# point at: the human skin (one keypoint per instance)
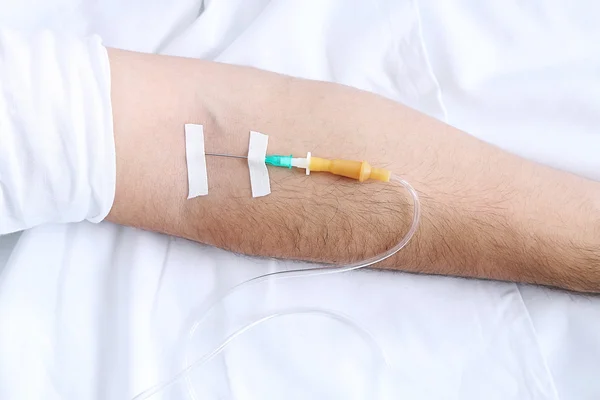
(486, 213)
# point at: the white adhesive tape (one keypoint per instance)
(259, 174)
(196, 161)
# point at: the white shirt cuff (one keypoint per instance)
(57, 152)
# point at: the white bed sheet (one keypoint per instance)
(99, 311)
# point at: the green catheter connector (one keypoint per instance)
(279, 161)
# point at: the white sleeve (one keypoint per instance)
(57, 152)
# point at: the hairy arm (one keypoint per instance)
(486, 213)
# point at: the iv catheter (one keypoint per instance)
(358, 170)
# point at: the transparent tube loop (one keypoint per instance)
(325, 270)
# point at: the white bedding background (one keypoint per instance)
(100, 311)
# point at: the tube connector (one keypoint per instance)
(359, 170)
(279, 161)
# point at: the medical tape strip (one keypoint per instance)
(259, 174)
(196, 161)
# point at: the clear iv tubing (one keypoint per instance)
(184, 373)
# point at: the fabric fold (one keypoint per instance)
(57, 152)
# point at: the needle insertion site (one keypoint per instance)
(225, 155)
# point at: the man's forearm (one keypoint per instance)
(486, 213)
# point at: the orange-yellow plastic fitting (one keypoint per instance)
(360, 170)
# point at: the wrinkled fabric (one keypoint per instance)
(94, 311)
(57, 152)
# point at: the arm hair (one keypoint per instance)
(486, 213)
